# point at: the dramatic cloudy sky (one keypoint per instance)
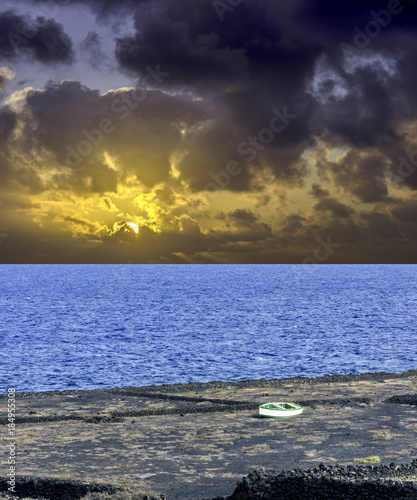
(193, 131)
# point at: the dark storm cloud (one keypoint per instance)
(3, 82)
(199, 58)
(240, 226)
(364, 175)
(369, 53)
(81, 222)
(367, 115)
(333, 206)
(405, 215)
(77, 126)
(5, 169)
(360, 173)
(243, 216)
(329, 204)
(406, 212)
(41, 38)
(403, 156)
(293, 224)
(246, 66)
(266, 55)
(8, 121)
(381, 226)
(318, 192)
(7, 125)
(329, 17)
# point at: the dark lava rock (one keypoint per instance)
(403, 399)
(328, 482)
(54, 489)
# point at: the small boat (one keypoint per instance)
(278, 410)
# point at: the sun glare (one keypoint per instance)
(134, 226)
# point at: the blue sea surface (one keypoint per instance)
(96, 326)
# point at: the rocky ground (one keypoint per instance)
(196, 441)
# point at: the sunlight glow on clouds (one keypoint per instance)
(236, 141)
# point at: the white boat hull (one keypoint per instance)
(278, 411)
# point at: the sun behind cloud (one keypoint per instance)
(134, 226)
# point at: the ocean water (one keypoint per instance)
(83, 327)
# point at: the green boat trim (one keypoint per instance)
(281, 409)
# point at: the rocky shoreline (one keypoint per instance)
(243, 384)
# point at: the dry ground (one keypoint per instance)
(196, 456)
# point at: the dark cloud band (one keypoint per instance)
(42, 38)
